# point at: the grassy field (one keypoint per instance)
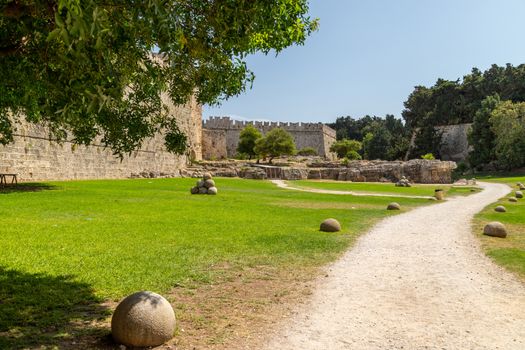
(387, 188)
(69, 248)
(508, 252)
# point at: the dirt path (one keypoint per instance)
(283, 184)
(416, 281)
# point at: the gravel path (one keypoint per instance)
(283, 184)
(416, 281)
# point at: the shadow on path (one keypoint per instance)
(41, 311)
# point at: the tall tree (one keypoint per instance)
(249, 135)
(86, 66)
(508, 124)
(481, 136)
(277, 142)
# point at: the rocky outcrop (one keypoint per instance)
(413, 171)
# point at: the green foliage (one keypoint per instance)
(428, 140)
(346, 148)
(353, 155)
(428, 156)
(508, 124)
(307, 151)
(87, 67)
(391, 134)
(481, 136)
(376, 142)
(277, 142)
(453, 102)
(249, 135)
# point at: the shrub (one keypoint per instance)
(307, 151)
(344, 147)
(428, 156)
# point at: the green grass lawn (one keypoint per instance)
(68, 246)
(508, 252)
(387, 188)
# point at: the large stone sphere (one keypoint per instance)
(206, 176)
(519, 194)
(209, 183)
(500, 209)
(330, 225)
(495, 229)
(194, 190)
(203, 190)
(143, 319)
(513, 199)
(393, 206)
(212, 190)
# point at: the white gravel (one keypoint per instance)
(416, 281)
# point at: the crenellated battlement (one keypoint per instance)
(316, 135)
(226, 123)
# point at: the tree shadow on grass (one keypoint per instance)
(43, 311)
(26, 187)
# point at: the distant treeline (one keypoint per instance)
(445, 103)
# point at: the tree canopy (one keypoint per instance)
(97, 68)
(277, 142)
(346, 148)
(249, 135)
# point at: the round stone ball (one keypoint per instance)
(200, 183)
(212, 190)
(500, 209)
(206, 176)
(330, 225)
(513, 199)
(393, 206)
(209, 183)
(194, 190)
(495, 229)
(143, 319)
(203, 190)
(519, 194)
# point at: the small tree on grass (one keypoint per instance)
(249, 135)
(276, 143)
(346, 149)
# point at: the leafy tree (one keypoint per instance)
(249, 135)
(508, 124)
(346, 148)
(428, 139)
(377, 142)
(277, 142)
(481, 137)
(87, 66)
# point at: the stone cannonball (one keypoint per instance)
(500, 209)
(330, 225)
(212, 190)
(200, 183)
(519, 194)
(495, 229)
(209, 183)
(194, 190)
(206, 176)
(513, 199)
(393, 206)
(143, 319)
(203, 190)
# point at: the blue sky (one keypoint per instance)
(368, 55)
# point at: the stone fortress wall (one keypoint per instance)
(34, 157)
(454, 140)
(221, 136)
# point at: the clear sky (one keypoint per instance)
(368, 55)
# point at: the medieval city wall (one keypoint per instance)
(34, 157)
(454, 142)
(316, 135)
